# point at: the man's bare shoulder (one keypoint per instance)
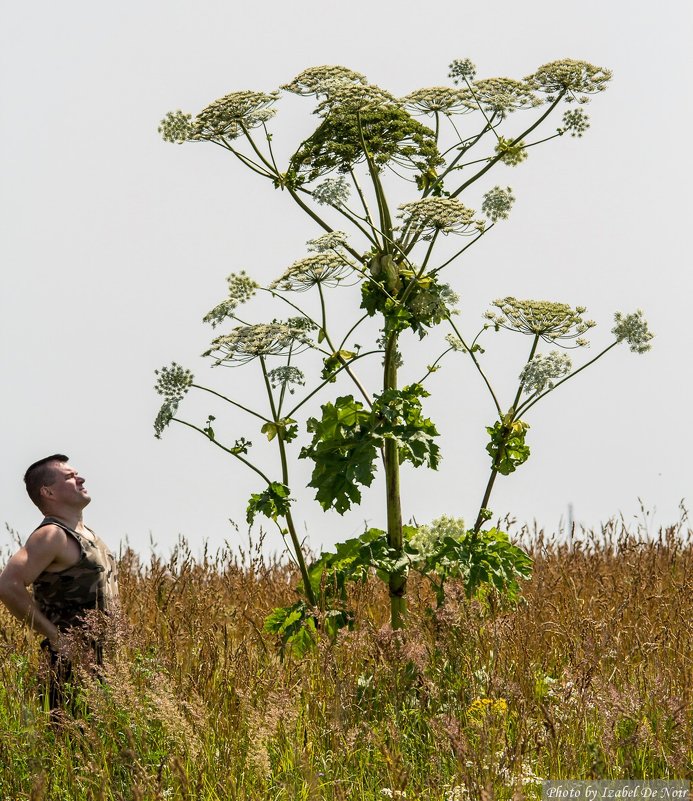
(46, 536)
(45, 547)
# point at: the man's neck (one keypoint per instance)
(71, 517)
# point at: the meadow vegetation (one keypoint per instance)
(588, 676)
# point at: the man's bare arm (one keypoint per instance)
(43, 547)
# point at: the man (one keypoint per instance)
(70, 569)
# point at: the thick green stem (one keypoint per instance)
(398, 581)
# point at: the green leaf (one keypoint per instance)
(507, 447)
(334, 362)
(274, 502)
(280, 428)
(294, 626)
(343, 450)
(401, 418)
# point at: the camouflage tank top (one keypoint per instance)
(63, 596)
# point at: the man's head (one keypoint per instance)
(53, 484)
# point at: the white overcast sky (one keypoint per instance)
(115, 244)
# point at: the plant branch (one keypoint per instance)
(232, 402)
(531, 401)
(223, 447)
(470, 351)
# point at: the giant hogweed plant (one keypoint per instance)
(436, 143)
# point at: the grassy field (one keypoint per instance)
(590, 676)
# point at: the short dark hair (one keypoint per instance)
(40, 474)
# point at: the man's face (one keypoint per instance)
(67, 488)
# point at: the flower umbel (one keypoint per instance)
(332, 192)
(541, 371)
(575, 122)
(550, 321)
(248, 342)
(241, 289)
(461, 70)
(319, 80)
(333, 240)
(173, 383)
(632, 328)
(441, 99)
(576, 79)
(497, 203)
(226, 117)
(455, 343)
(509, 153)
(286, 376)
(176, 127)
(428, 537)
(431, 214)
(327, 268)
(503, 95)
(354, 97)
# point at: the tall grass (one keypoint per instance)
(590, 676)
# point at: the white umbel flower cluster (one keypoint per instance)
(575, 122)
(552, 322)
(328, 269)
(503, 95)
(431, 214)
(333, 240)
(497, 203)
(438, 99)
(176, 127)
(248, 342)
(543, 370)
(461, 70)
(241, 289)
(577, 79)
(354, 97)
(226, 117)
(320, 80)
(429, 536)
(286, 376)
(173, 384)
(455, 343)
(332, 192)
(633, 329)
